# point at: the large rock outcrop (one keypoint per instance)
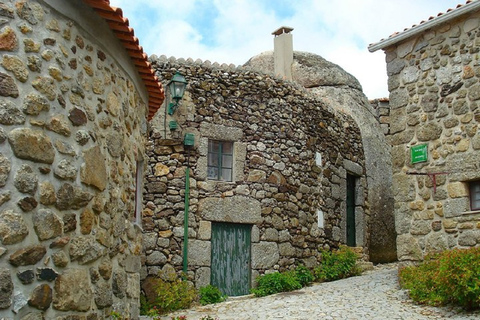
(308, 69)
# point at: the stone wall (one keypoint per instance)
(342, 92)
(381, 109)
(70, 137)
(292, 154)
(434, 96)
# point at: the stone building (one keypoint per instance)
(433, 79)
(342, 92)
(75, 94)
(273, 171)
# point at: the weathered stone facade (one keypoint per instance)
(72, 114)
(292, 154)
(342, 92)
(433, 79)
(381, 109)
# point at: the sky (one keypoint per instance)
(233, 31)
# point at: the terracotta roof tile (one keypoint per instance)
(431, 20)
(120, 27)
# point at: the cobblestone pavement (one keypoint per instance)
(374, 295)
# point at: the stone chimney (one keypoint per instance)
(283, 52)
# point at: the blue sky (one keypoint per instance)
(232, 31)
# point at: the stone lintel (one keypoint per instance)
(236, 209)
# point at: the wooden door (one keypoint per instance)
(231, 258)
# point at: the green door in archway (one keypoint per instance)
(231, 256)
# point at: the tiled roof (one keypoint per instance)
(461, 9)
(119, 25)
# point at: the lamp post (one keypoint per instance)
(176, 87)
(188, 145)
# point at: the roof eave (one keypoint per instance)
(120, 28)
(470, 7)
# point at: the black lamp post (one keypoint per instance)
(177, 89)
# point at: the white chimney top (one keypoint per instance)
(281, 30)
(283, 52)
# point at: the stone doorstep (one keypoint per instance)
(364, 265)
(362, 259)
(361, 256)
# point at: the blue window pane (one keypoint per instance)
(227, 174)
(213, 146)
(475, 195)
(213, 173)
(476, 187)
(227, 161)
(476, 204)
(213, 159)
(227, 148)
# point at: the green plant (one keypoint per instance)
(337, 264)
(452, 276)
(304, 275)
(421, 282)
(208, 318)
(211, 294)
(276, 282)
(145, 306)
(170, 296)
(115, 315)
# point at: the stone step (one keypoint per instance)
(364, 265)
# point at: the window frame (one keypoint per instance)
(474, 195)
(220, 167)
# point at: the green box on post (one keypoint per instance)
(173, 125)
(419, 153)
(189, 140)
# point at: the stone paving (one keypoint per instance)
(374, 295)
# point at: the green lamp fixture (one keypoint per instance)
(177, 88)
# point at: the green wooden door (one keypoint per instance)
(351, 232)
(231, 258)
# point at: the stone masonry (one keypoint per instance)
(342, 92)
(71, 122)
(291, 157)
(434, 83)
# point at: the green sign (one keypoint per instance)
(419, 153)
(189, 139)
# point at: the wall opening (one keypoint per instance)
(474, 187)
(351, 220)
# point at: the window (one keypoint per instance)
(475, 195)
(220, 160)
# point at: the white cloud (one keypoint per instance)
(233, 31)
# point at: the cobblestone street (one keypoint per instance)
(374, 295)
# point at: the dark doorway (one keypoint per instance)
(351, 230)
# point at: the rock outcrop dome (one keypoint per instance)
(308, 69)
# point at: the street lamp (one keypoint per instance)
(177, 89)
